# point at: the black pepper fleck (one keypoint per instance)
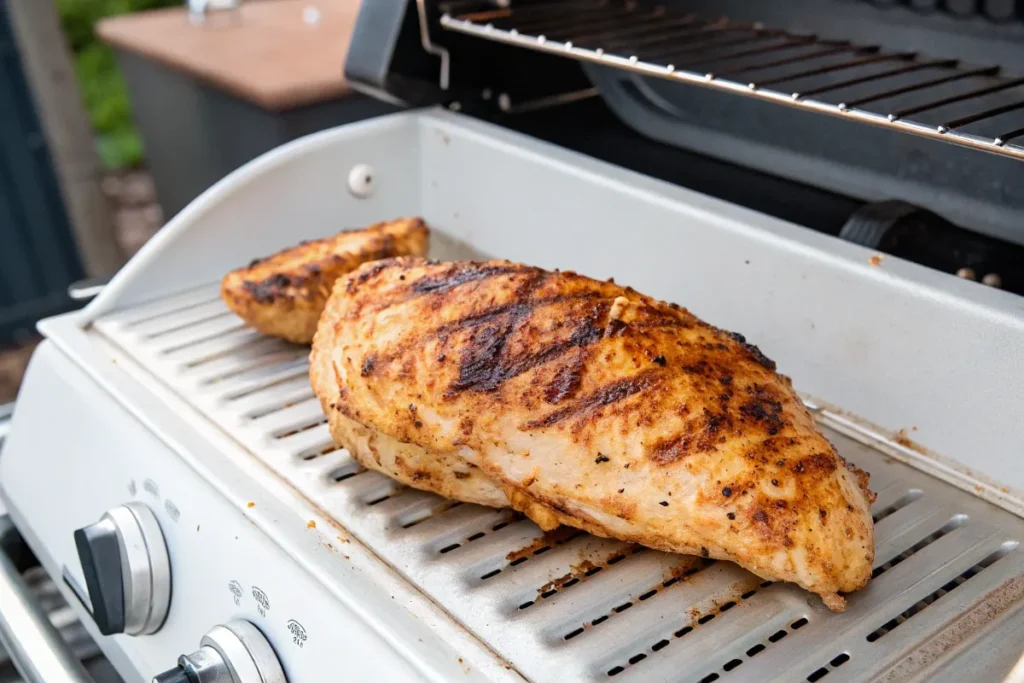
(775, 482)
(731, 515)
(727, 492)
(401, 277)
(704, 552)
(663, 503)
(441, 358)
(660, 360)
(418, 424)
(621, 490)
(601, 458)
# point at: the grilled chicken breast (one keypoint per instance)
(283, 295)
(588, 404)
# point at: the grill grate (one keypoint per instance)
(566, 606)
(976, 106)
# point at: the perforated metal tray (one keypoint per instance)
(567, 606)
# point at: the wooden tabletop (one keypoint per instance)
(267, 51)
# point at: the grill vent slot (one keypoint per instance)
(947, 588)
(567, 606)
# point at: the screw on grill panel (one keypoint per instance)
(954, 523)
(907, 498)
(948, 587)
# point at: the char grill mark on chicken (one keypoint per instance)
(585, 403)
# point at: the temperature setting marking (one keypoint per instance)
(236, 592)
(262, 601)
(298, 632)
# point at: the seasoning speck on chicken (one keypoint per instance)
(545, 390)
(284, 294)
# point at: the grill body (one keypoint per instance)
(156, 393)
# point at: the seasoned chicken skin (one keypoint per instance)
(588, 404)
(283, 295)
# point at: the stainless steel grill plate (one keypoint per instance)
(567, 606)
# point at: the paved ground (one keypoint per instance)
(137, 216)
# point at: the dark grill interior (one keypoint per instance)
(976, 105)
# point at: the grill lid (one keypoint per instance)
(567, 606)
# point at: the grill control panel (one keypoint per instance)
(127, 570)
(235, 652)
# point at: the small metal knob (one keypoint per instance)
(235, 652)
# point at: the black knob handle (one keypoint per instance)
(100, 555)
(910, 232)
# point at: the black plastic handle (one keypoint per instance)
(100, 555)
(910, 232)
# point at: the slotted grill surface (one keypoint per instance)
(568, 606)
(973, 105)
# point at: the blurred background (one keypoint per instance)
(115, 114)
(125, 181)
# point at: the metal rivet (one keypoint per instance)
(633, 59)
(992, 280)
(542, 39)
(568, 45)
(455, 106)
(504, 102)
(967, 274)
(599, 51)
(670, 68)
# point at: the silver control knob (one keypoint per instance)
(127, 570)
(235, 652)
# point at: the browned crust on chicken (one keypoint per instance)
(283, 295)
(592, 405)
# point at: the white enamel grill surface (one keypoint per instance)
(569, 606)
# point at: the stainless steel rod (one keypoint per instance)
(984, 71)
(937, 64)
(34, 645)
(969, 95)
(987, 114)
(836, 67)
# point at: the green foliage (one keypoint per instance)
(103, 89)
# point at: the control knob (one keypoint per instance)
(127, 571)
(235, 652)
